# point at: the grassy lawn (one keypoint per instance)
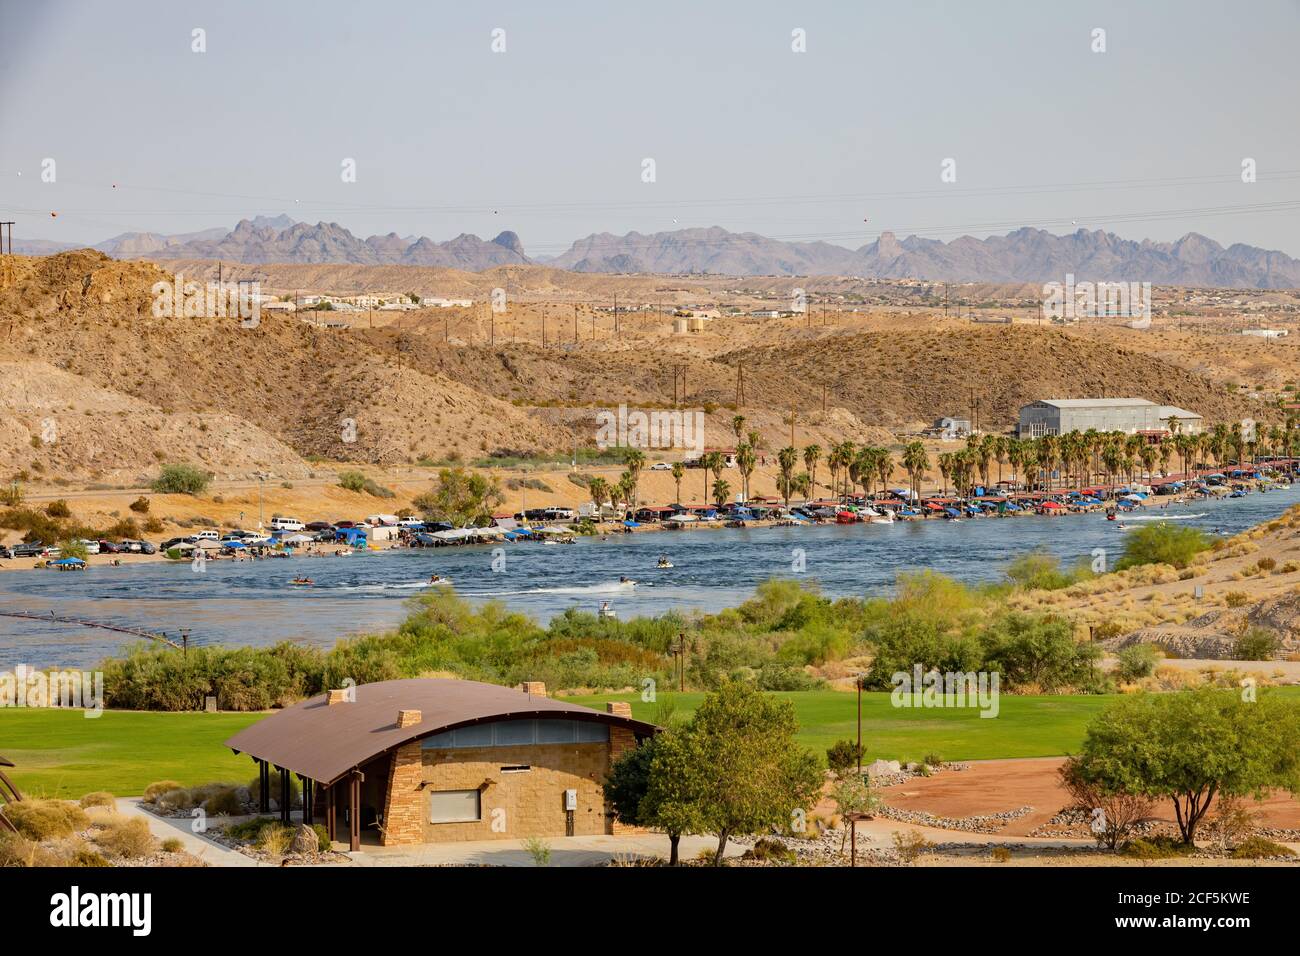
(1024, 727)
(61, 753)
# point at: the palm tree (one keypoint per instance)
(634, 461)
(599, 489)
(721, 492)
(884, 468)
(738, 426)
(785, 459)
(710, 462)
(811, 456)
(745, 461)
(916, 461)
(946, 464)
(679, 472)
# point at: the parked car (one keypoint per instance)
(92, 547)
(109, 547)
(5, 552)
(28, 549)
(279, 523)
(319, 526)
(172, 542)
(207, 535)
(345, 524)
(661, 466)
(411, 523)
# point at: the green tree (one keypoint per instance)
(748, 774)
(182, 480)
(461, 497)
(1192, 746)
(677, 781)
(1162, 543)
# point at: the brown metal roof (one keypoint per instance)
(324, 742)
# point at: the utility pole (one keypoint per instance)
(575, 323)
(740, 384)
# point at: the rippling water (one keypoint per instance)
(252, 602)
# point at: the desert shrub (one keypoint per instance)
(1162, 543)
(1257, 644)
(1041, 571)
(58, 509)
(1157, 848)
(46, 819)
(1235, 598)
(766, 848)
(1135, 662)
(1000, 854)
(539, 850)
(172, 845)
(842, 755)
(182, 480)
(1266, 564)
(774, 675)
(911, 845)
(18, 850)
(250, 830)
(157, 789)
(140, 505)
(180, 799)
(323, 843)
(86, 857)
(358, 482)
(126, 839)
(224, 801)
(932, 760)
(100, 798)
(1121, 812)
(275, 839)
(1259, 848)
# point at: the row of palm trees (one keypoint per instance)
(1070, 460)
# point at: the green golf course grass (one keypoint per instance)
(62, 753)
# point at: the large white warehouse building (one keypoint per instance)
(1058, 416)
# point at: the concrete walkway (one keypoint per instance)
(565, 851)
(164, 828)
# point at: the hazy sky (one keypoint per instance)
(548, 138)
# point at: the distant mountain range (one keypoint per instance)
(1026, 255)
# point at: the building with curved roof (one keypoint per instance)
(429, 760)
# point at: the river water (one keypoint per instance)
(252, 603)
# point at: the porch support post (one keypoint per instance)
(286, 795)
(354, 811)
(264, 787)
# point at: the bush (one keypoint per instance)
(46, 819)
(1235, 598)
(255, 788)
(1162, 543)
(58, 509)
(1266, 564)
(140, 505)
(18, 850)
(172, 845)
(1259, 848)
(100, 798)
(224, 802)
(932, 760)
(358, 482)
(765, 848)
(1135, 662)
(1000, 854)
(323, 843)
(182, 480)
(126, 839)
(156, 790)
(1157, 848)
(1257, 644)
(911, 845)
(842, 755)
(1041, 571)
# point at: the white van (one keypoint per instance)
(287, 524)
(205, 536)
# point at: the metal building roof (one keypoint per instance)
(324, 742)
